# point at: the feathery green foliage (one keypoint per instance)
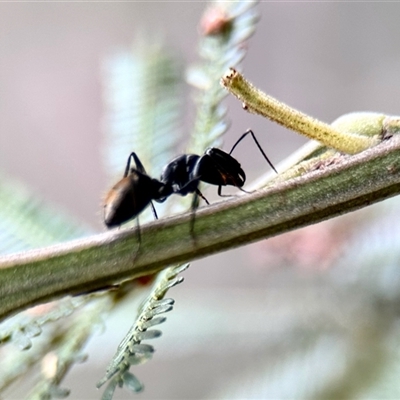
(27, 222)
(226, 26)
(131, 351)
(68, 345)
(351, 360)
(143, 102)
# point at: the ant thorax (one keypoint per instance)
(178, 174)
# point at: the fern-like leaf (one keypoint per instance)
(225, 28)
(26, 222)
(68, 346)
(24, 326)
(131, 350)
(142, 91)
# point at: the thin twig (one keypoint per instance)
(258, 102)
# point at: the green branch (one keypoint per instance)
(93, 263)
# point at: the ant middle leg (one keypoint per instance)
(154, 210)
(198, 193)
(231, 195)
(193, 208)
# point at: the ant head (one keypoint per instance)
(220, 168)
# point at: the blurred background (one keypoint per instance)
(299, 316)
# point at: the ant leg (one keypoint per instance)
(140, 168)
(128, 165)
(138, 229)
(195, 204)
(220, 192)
(154, 210)
(231, 195)
(225, 195)
(202, 196)
(139, 165)
(258, 145)
(193, 208)
(139, 236)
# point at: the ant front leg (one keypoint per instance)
(220, 192)
(223, 195)
(231, 195)
(258, 145)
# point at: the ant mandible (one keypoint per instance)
(136, 190)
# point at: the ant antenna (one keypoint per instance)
(249, 131)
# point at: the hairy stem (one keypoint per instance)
(93, 263)
(258, 102)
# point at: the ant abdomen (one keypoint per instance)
(129, 197)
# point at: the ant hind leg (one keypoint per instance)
(139, 237)
(139, 165)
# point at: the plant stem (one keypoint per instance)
(352, 182)
(258, 102)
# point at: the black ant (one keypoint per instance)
(136, 190)
(132, 194)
